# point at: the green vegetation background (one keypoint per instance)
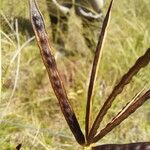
(29, 111)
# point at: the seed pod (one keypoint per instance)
(50, 64)
(130, 146)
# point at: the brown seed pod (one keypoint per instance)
(50, 64)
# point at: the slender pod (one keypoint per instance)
(130, 146)
(140, 63)
(18, 147)
(96, 62)
(50, 64)
(130, 108)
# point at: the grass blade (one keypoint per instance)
(50, 64)
(96, 62)
(123, 114)
(140, 63)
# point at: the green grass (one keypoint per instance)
(29, 111)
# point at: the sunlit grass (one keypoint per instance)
(29, 112)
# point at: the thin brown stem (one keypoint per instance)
(122, 115)
(140, 63)
(96, 62)
(50, 64)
